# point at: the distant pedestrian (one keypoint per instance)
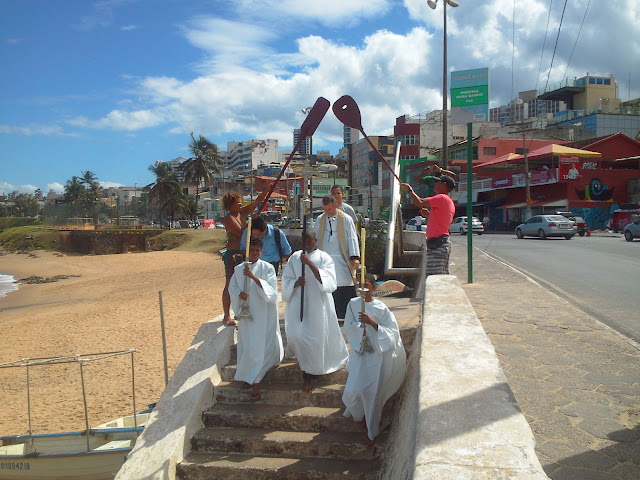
(485, 223)
(338, 194)
(442, 210)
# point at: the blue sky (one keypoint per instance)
(112, 86)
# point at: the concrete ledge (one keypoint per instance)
(469, 424)
(178, 414)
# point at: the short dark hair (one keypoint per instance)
(308, 233)
(259, 223)
(327, 199)
(338, 187)
(255, 241)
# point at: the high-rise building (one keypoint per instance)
(243, 157)
(306, 147)
(527, 105)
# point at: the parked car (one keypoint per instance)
(632, 230)
(579, 222)
(412, 224)
(295, 223)
(543, 226)
(460, 225)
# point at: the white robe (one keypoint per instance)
(331, 245)
(316, 341)
(373, 377)
(259, 339)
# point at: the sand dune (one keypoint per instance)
(113, 305)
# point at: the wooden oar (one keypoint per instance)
(307, 129)
(347, 111)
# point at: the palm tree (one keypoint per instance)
(165, 191)
(88, 178)
(203, 164)
(192, 210)
(74, 192)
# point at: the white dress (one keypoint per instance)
(316, 341)
(331, 245)
(373, 377)
(259, 339)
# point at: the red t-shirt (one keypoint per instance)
(440, 216)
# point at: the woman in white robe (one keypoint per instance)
(315, 339)
(259, 339)
(374, 376)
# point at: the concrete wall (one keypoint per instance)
(178, 414)
(458, 418)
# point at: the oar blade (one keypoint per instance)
(347, 111)
(314, 117)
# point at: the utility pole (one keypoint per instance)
(522, 129)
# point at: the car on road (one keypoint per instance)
(543, 226)
(412, 224)
(632, 230)
(580, 223)
(295, 223)
(460, 225)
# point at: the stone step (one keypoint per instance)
(235, 466)
(280, 417)
(288, 370)
(284, 443)
(281, 393)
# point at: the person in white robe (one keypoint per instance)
(376, 375)
(313, 333)
(259, 339)
(337, 236)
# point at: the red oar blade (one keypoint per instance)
(347, 111)
(314, 117)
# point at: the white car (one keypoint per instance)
(460, 225)
(413, 224)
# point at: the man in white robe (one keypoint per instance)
(337, 236)
(374, 376)
(259, 339)
(313, 334)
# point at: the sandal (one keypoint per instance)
(255, 397)
(229, 323)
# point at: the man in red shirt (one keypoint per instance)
(440, 213)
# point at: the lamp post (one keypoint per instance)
(432, 4)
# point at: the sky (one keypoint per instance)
(112, 86)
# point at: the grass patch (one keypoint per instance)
(190, 240)
(29, 238)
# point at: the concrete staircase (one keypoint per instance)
(285, 435)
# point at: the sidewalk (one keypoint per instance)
(576, 381)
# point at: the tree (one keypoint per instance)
(192, 210)
(203, 164)
(165, 191)
(88, 178)
(74, 193)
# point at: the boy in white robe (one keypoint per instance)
(259, 339)
(313, 337)
(376, 375)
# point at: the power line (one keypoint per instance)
(513, 43)
(576, 42)
(556, 45)
(544, 42)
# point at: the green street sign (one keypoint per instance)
(475, 95)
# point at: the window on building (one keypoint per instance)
(489, 150)
(607, 81)
(520, 151)
(592, 81)
(600, 81)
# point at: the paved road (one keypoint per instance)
(599, 274)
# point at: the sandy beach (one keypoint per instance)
(112, 305)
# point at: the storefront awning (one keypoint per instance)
(514, 205)
(551, 203)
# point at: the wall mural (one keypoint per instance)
(595, 191)
(596, 217)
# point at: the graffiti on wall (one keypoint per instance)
(595, 191)
(596, 217)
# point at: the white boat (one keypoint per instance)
(91, 454)
(58, 456)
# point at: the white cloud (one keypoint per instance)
(120, 120)
(111, 185)
(128, 28)
(7, 188)
(34, 129)
(328, 12)
(55, 186)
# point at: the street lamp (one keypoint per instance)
(432, 4)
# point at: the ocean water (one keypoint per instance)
(7, 284)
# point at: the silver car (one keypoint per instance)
(459, 225)
(543, 226)
(632, 230)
